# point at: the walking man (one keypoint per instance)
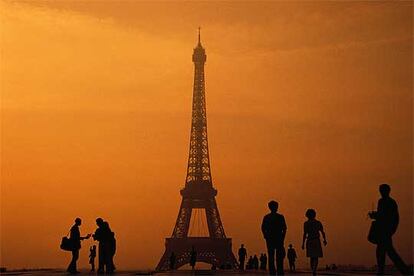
(387, 219)
(291, 255)
(75, 238)
(274, 232)
(242, 256)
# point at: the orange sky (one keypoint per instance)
(308, 103)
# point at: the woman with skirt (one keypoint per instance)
(311, 229)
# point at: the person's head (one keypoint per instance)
(78, 221)
(310, 214)
(99, 222)
(290, 245)
(242, 245)
(273, 206)
(385, 190)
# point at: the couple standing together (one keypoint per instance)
(274, 231)
(107, 245)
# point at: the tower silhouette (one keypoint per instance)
(198, 192)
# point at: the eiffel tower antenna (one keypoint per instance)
(198, 192)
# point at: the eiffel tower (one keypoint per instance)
(198, 192)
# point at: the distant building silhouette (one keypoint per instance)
(199, 191)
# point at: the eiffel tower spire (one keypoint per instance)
(198, 191)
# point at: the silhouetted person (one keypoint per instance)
(92, 255)
(250, 263)
(274, 231)
(255, 262)
(107, 246)
(291, 255)
(172, 261)
(75, 238)
(311, 229)
(334, 267)
(193, 258)
(242, 256)
(263, 261)
(387, 218)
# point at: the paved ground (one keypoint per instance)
(197, 272)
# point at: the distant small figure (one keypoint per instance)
(92, 255)
(327, 268)
(193, 258)
(263, 261)
(172, 261)
(274, 231)
(242, 256)
(291, 255)
(311, 228)
(250, 263)
(255, 262)
(334, 267)
(75, 238)
(387, 219)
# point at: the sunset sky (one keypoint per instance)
(309, 104)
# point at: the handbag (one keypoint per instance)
(373, 232)
(66, 244)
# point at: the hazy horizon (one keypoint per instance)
(308, 103)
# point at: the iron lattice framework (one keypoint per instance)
(198, 191)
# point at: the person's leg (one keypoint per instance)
(294, 266)
(271, 258)
(241, 264)
(315, 266)
(101, 258)
(380, 252)
(396, 259)
(280, 256)
(312, 264)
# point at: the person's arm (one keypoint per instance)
(304, 237)
(284, 229)
(264, 228)
(86, 237)
(376, 214)
(323, 235)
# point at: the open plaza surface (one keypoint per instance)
(184, 272)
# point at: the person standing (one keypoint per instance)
(75, 238)
(107, 246)
(242, 256)
(311, 229)
(92, 255)
(193, 258)
(291, 255)
(274, 232)
(387, 219)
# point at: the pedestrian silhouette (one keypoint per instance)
(387, 219)
(255, 262)
(311, 229)
(75, 239)
(172, 261)
(291, 255)
(107, 246)
(250, 263)
(92, 255)
(242, 256)
(263, 261)
(274, 232)
(193, 258)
